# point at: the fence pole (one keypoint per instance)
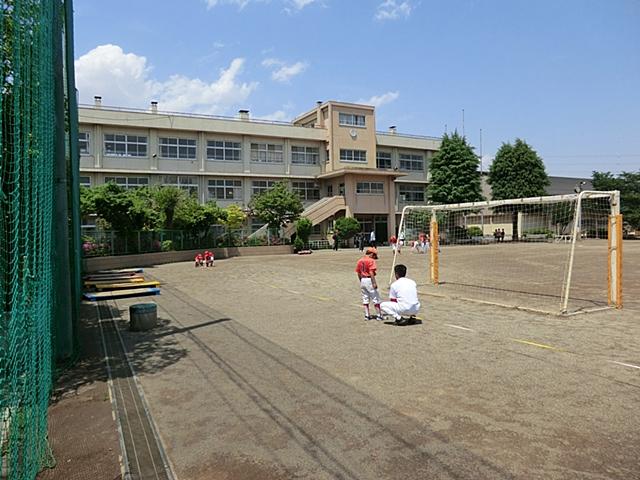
(63, 330)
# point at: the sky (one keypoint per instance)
(562, 75)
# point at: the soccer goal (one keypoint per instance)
(554, 254)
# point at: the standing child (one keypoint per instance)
(366, 271)
(403, 297)
(393, 241)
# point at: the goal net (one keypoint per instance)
(556, 254)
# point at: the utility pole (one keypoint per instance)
(463, 122)
(481, 152)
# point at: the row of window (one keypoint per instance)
(185, 149)
(229, 189)
(229, 151)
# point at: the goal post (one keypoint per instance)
(556, 254)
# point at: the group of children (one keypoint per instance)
(421, 245)
(205, 259)
(403, 302)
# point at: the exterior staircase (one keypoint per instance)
(319, 211)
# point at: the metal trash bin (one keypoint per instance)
(143, 316)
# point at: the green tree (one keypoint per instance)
(304, 226)
(277, 206)
(517, 172)
(167, 200)
(195, 218)
(233, 217)
(629, 185)
(455, 175)
(125, 210)
(346, 227)
(87, 203)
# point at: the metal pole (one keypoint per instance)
(576, 222)
(74, 155)
(63, 322)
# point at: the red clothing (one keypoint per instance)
(393, 239)
(365, 267)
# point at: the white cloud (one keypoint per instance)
(283, 73)
(291, 6)
(124, 79)
(278, 115)
(214, 3)
(393, 9)
(379, 100)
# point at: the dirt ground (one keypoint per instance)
(263, 368)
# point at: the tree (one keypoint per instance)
(190, 215)
(346, 227)
(233, 217)
(167, 200)
(455, 175)
(516, 172)
(277, 206)
(629, 185)
(304, 226)
(125, 210)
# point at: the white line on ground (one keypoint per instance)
(625, 364)
(458, 326)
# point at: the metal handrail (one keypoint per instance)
(198, 115)
(408, 135)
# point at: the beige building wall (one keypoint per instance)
(319, 128)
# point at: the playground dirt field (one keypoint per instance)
(263, 368)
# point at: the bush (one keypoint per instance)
(347, 227)
(167, 246)
(298, 244)
(474, 231)
(256, 241)
(538, 231)
(304, 226)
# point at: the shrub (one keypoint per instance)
(256, 241)
(167, 246)
(303, 228)
(298, 244)
(538, 231)
(474, 231)
(347, 227)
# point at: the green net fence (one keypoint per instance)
(27, 208)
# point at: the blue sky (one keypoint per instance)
(562, 75)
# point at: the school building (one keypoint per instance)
(332, 156)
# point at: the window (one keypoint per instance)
(223, 150)
(383, 160)
(305, 155)
(117, 145)
(411, 162)
(225, 189)
(411, 193)
(351, 120)
(179, 148)
(128, 182)
(256, 224)
(188, 184)
(353, 155)
(266, 153)
(85, 182)
(329, 190)
(370, 188)
(306, 190)
(316, 230)
(83, 143)
(260, 186)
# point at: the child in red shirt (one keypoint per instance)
(199, 260)
(208, 258)
(366, 270)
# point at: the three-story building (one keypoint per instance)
(332, 156)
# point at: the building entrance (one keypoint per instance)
(377, 223)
